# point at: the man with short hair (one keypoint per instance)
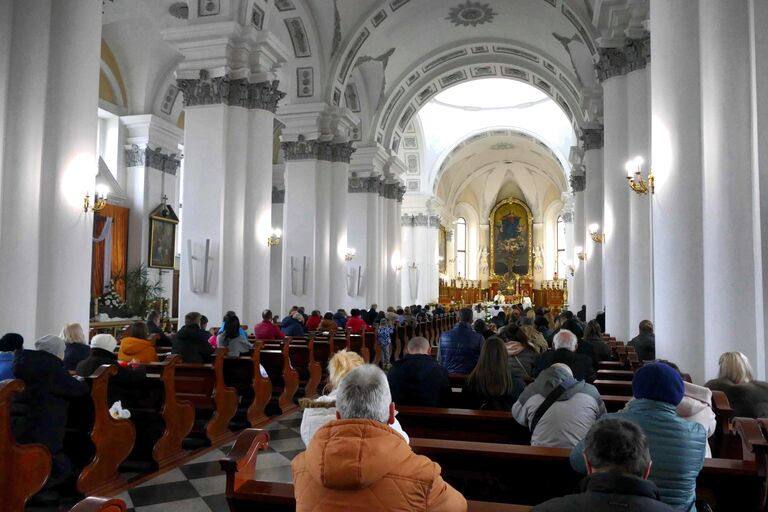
(359, 463)
(618, 463)
(417, 378)
(266, 329)
(191, 342)
(645, 342)
(460, 347)
(564, 344)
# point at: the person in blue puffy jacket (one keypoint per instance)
(460, 347)
(9, 343)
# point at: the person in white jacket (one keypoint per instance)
(320, 411)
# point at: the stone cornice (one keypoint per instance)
(420, 220)
(237, 92)
(304, 149)
(578, 182)
(136, 156)
(592, 138)
(342, 152)
(634, 55)
(364, 185)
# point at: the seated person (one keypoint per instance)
(417, 378)
(522, 355)
(558, 409)
(154, 327)
(293, 325)
(564, 343)
(358, 463)
(356, 324)
(191, 342)
(39, 413)
(460, 346)
(321, 410)
(618, 463)
(340, 317)
(481, 327)
(314, 320)
(103, 353)
(204, 324)
(677, 446)
(570, 323)
(645, 342)
(593, 345)
(77, 349)
(491, 385)
(9, 343)
(266, 329)
(748, 397)
(328, 324)
(232, 337)
(136, 346)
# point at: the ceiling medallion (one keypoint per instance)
(471, 14)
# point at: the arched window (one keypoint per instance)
(560, 256)
(461, 247)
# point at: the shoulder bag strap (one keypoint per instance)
(546, 404)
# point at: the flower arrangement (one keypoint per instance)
(110, 301)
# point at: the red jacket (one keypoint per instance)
(356, 325)
(313, 322)
(266, 330)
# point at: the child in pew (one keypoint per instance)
(385, 332)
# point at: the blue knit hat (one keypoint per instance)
(657, 381)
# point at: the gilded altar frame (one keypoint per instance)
(492, 224)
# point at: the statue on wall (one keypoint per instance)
(483, 261)
(538, 259)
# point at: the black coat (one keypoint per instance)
(163, 340)
(580, 365)
(418, 379)
(39, 413)
(472, 399)
(74, 353)
(645, 346)
(191, 343)
(748, 400)
(121, 384)
(596, 349)
(609, 492)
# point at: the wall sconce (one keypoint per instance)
(635, 178)
(398, 266)
(275, 237)
(594, 232)
(580, 253)
(349, 254)
(412, 266)
(99, 199)
(570, 267)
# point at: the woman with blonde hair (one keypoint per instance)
(321, 410)
(77, 350)
(748, 397)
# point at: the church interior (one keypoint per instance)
(598, 167)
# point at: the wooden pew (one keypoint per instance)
(160, 405)
(285, 380)
(462, 424)
(614, 387)
(603, 374)
(94, 437)
(26, 467)
(302, 357)
(356, 343)
(253, 390)
(215, 403)
(371, 339)
(96, 504)
(244, 494)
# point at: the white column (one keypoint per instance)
(71, 124)
(616, 208)
(730, 218)
(276, 255)
(640, 267)
(339, 241)
(576, 293)
(425, 228)
(410, 275)
(677, 204)
(593, 199)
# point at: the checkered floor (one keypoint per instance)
(199, 485)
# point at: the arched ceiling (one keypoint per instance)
(500, 164)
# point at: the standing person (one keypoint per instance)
(460, 347)
(232, 338)
(418, 379)
(76, 350)
(356, 325)
(385, 340)
(491, 385)
(9, 343)
(618, 463)
(191, 342)
(136, 346)
(372, 314)
(39, 413)
(748, 397)
(357, 462)
(266, 329)
(644, 342)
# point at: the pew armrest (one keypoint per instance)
(723, 411)
(95, 504)
(240, 464)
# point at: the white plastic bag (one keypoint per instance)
(117, 411)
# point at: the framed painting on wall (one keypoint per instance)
(511, 224)
(162, 237)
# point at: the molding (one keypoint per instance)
(136, 156)
(592, 138)
(634, 55)
(342, 152)
(364, 185)
(237, 92)
(578, 182)
(421, 220)
(302, 149)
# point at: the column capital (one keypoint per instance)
(342, 152)
(364, 184)
(592, 138)
(634, 54)
(144, 156)
(234, 92)
(317, 120)
(578, 182)
(401, 189)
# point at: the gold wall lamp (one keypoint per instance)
(594, 232)
(635, 177)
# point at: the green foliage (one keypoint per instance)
(141, 292)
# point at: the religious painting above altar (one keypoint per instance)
(511, 240)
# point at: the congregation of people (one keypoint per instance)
(538, 366)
